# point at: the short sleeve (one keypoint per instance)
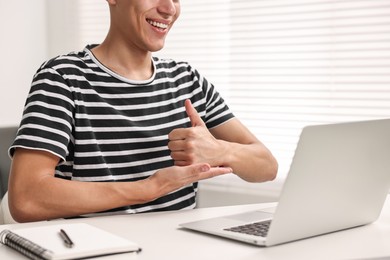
(48, 115)
(217, 111)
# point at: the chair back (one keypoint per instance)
(7, 136)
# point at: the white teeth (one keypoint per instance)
(158, 25)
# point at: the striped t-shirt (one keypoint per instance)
(105, 127)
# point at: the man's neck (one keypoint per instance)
(125, 61)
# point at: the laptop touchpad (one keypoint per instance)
(252, 216)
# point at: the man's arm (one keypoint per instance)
(230, 144)
(35, 194)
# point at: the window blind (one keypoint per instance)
(281, 64)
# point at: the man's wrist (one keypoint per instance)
(149, 189)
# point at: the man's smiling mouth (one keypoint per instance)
(158, 25)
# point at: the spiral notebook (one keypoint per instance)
(45, 242)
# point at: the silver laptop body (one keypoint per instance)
(339, 178)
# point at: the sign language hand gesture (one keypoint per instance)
(172, 178)
(195, 144)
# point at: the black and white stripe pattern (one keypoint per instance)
(105, 127)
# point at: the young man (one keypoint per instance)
(113, 129)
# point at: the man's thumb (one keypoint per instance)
(196, 120)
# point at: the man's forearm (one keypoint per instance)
(251, 162)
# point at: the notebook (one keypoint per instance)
(339, 178)
(45, 242)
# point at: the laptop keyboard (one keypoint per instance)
(257, 229)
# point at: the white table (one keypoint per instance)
(160, 238)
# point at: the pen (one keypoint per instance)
(67, 241)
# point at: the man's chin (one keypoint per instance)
(156, 49)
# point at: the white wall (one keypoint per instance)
(23, 46)
(31, 32)
(62, 34)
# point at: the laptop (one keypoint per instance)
(339, 178)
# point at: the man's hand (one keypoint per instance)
(195, 144)
(172, 178)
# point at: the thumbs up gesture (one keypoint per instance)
(195, 144)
